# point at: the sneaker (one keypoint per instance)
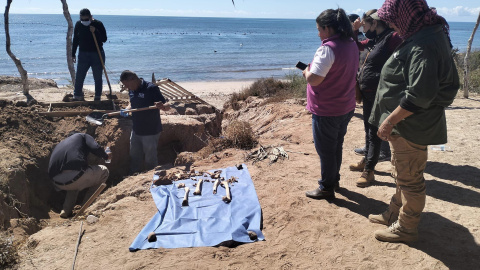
(360, 151)
(78, 98)
(359, 166)
(397, 233)
(385, 218)
(383, 157)
(319, 194)
(366, 179)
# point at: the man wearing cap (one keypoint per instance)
(70, 171)
(88, 55)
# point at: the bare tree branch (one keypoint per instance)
(17, 61)
(71, 67)
(465, 62)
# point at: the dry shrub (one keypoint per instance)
(294, 86)
(237, 134)
(240, 135)
(8, 252)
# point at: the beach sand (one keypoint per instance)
(300, 233)
(216, 92)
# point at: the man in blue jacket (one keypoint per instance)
(147, 124)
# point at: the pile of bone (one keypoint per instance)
(162, 176)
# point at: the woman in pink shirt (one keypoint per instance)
(331, 95)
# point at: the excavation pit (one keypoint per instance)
(28, 137)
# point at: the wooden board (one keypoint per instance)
(71, 113)
(76, 103)
(174, 92)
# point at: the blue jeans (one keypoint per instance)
(328, 135)
(143, 148)
(373, 143)
(84, 62)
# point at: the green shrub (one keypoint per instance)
(474, 69)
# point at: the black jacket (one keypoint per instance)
(71, 153)
(369, 74)
(83, 37)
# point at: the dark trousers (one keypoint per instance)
(84, 62)
(373, 144)
(328, 136)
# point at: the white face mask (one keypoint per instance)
(86, 23)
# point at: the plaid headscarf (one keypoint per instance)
(409, 16)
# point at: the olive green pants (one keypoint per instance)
(409, 161)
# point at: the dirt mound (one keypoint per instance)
(28, 138)
(300, 233)
(14, 84)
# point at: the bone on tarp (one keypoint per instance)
(215, 186)
(198, 190)
(152, 237)
(181, 185)
(185, 198)
(226, 198)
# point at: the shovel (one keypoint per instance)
(98, 117)
(109, 96)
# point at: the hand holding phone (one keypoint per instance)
(301, 65)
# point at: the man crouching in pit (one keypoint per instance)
(147, 124)
(70, 171)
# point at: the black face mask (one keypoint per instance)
(370, 34)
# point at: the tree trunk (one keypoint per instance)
(17, 61)
(465, 62)
(71, 66)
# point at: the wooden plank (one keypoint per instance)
(175, 92)
(71, 113)
(77, 103)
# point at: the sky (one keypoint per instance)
(457, 11)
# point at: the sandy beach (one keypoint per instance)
(216, 92)
(300, 233)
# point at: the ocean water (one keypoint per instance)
(179, 48)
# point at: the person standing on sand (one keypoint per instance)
(147, 124)
(70, 171)
(88, 56)
(331, 95)
(417, 82)
(381, 42)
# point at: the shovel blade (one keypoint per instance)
(96, 118)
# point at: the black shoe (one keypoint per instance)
(360, 151)
(319, 194)
(78, 98)
(337, 187)
(383, 157)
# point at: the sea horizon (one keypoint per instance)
(177, 47)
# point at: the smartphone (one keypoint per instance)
(301, 65)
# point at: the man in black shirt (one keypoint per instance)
(88, 54)
(70, 171)
(147, 124)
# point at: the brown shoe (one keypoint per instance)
(360, 166)
(366, 179)
(385, 218)
(397, 233)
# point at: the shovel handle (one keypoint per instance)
(133, 110)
